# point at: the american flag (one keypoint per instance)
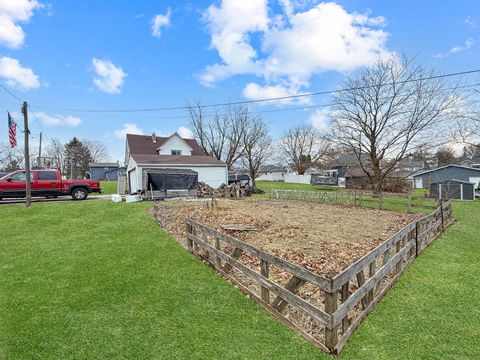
(12, 131)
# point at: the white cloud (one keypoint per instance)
(320, 119)
(254, 91)
(128, 128)
(185, 132)
(16, 75)
(470, 22)
(291, 46)
(458, 48)
(159, 21)
(57, 120)
(12, 12)
(466, 45)
(108, 77)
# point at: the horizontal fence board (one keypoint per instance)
(353, 269)
(358, 320)
(278, 315)
(302, 273)
(317, 314)
(357, 296)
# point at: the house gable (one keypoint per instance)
(175, 145)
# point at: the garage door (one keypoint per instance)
(418, 183)
(475, 180)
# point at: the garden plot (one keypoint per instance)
(322, 238)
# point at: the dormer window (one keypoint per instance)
(176, 152)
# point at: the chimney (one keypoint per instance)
(154, 138)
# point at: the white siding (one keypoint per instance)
(175, 143)
(271, 176)
(298, 179)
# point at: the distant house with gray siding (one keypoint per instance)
(106, 171)
(449, 172)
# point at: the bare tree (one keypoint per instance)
(389, 110)
(256, 143)
(220, 134)
(55, 149)
(445, 156)
(11, 159)
(98, 150)
(302, 146)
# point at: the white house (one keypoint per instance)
(144, 153)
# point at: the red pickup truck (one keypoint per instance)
(46, 183)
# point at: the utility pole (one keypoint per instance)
(28, 197)
(39, 150)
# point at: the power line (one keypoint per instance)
(9, 92)
(244, 102)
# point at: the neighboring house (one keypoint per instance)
(144, 154)
(448, 172)
(272, 173)
(106, 171)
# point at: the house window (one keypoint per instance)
(176, 152)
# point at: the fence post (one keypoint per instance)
(218, 261)
(416, 238)
(265, 271)
(410, 203)
(380, 200)
(189, 241)
(441, 214)
(331, 333)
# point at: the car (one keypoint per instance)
(46, 183)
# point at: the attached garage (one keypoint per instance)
(453, 189)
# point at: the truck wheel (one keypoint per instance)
(79, 194)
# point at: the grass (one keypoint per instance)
(100, 280)
(433, 312)
(108, 187)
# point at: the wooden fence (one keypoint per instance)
(330, 309)
(354, 198)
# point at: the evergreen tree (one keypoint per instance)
(77, 157)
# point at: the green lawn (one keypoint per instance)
(99, 280)
(108, 187)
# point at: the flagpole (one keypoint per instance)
(28, 193)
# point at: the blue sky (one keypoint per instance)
(62, 56)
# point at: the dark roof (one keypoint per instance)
(115, 165)
(355, 173)
(143, 144)
(272, 168)
(446, 166)
(176, 159)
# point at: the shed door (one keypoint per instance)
(475, 180)
(418, 183)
